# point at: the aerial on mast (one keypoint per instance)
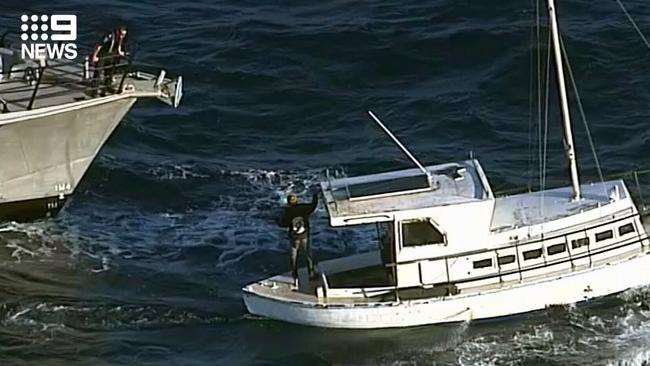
(404, 149)
(566, 117)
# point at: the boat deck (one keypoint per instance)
(538, 207)
(373, 276)
(62, 83)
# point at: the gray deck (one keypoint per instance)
(61, 84)
(537, 207)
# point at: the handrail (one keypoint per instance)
(605, 249)
(127, 70)
(520, 270)
(464, 254)
(588, 247)
(569, 259)
(566, 242)
(67, 75)
(5, 109)
(614, 246)
(41, 71)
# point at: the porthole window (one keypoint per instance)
(556, 249)
(506, 259)
(604, 235)
(483, 263)
(579, 243)
(532, 254)
(626, 229)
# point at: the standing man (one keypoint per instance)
(296, 219)
(106, 56)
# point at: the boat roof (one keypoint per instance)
(533, 208)
(371, 198)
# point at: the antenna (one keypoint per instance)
(402, 147)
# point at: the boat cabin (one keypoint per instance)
(418, 216)
(446, 230)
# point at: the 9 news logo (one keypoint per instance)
(50, 35)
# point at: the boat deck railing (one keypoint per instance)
(60, 81)
(637, 181)
(563, 253)
(29, 85)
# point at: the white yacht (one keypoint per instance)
(450, 251)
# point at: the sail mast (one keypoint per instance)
(566, 118)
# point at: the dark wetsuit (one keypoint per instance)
(296, 219)
(107, 51)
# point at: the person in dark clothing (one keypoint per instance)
(105, 58)
(296, 219)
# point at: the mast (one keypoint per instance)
(566, 118)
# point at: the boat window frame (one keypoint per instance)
(483, 263)
(540, 250)
(604, 235)
(504, 260)
(580, 242)
(431, 222)
(630, 225)
(553, 249)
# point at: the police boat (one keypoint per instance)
(54, 119)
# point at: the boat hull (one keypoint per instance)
(46, 152)
(520, 298)
(34, 209)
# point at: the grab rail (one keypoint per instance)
(63, 77)
(570, 258)
(41, 71)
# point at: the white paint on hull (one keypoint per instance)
(567, 289)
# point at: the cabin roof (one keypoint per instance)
(538, 207)
(371, 198)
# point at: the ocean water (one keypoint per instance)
(145, 264)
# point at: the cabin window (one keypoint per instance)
(604, 235)
(483, 263)
(421, 232)
(579, 243)
(556, 249)
(532, 254)
(506, 259)
(626, 229)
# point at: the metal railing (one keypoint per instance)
(569, 255)
(22, 86)
(637, 182)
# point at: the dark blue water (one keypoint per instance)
(145, 265)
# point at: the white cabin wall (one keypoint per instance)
(467, 227)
